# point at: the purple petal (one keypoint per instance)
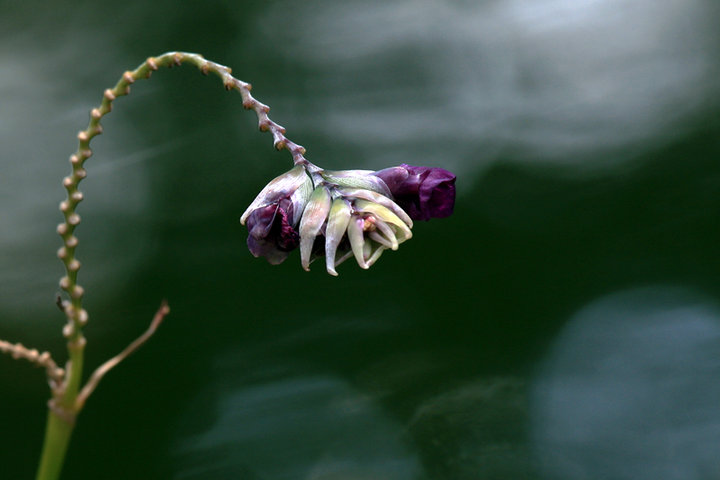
(260, 221)
(269, 250)
(287, 237)
(270, 233)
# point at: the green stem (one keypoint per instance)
(57, 438)
(62, 411)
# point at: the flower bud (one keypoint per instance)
(423, 192)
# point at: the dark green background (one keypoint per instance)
(586, 141)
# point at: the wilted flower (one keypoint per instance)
(345, 213)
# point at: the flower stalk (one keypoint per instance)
(338, 214)
(68, 394)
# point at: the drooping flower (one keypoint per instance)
(423, 192)
(343, 214)
(272, 218)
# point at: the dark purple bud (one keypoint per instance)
(271, 234)
(423, 192)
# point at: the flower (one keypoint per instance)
(343, 214)
(423, 192)
(273, 216)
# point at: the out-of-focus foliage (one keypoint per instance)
(547, 329)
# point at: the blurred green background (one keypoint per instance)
(562, 324)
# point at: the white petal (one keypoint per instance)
(287, 183)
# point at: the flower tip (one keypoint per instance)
(305, 258)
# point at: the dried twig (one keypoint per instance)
(18, 350)
(100, 372)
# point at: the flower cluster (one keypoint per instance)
(339, 214)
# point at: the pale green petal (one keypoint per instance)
(335, 231)
(300, 199)
(388, 233)
(375, 255)
(315, 214)
(367, 249)
(287, 182)
(356, 179)
(344, 257)
(357, 239)
(383, 214)
(371, 252)
(378, 198)
(379, 238)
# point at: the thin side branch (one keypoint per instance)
(100, 372)
(19, 351)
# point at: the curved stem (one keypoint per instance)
(66, 402)
(77, 317)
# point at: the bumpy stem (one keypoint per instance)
(76, 315)
(67, 396)
(54, 374)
